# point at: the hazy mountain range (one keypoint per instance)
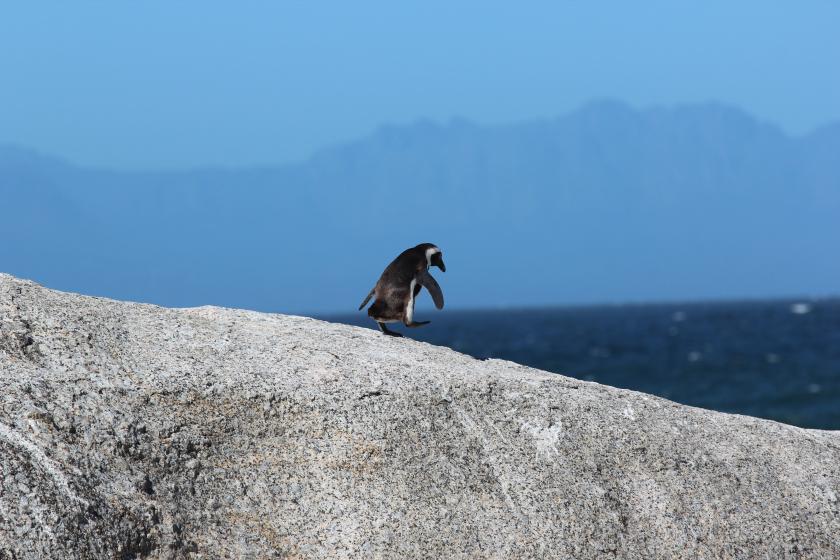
(607, 203)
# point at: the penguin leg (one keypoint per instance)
(386, 330)
(414, 324)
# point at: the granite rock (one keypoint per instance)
(135, 431)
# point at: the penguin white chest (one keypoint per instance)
(409, 308)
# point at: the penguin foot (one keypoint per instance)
(417, 324)
(386, 330)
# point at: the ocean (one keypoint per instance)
(772, 359)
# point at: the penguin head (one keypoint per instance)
(437, 260)
(434, 256)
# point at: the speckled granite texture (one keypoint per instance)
(130, 430)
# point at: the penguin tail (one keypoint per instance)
(367, 299)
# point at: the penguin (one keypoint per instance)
(399, 285)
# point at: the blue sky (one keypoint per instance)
(180, 84)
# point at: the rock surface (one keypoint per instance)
(129, 430)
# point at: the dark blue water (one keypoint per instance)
(776, 359)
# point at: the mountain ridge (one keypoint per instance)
(693, 202)
(8, 149)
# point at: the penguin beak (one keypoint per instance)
(437, 260)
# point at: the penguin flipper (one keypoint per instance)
(367, 299)
(417, 324)
(428, 282)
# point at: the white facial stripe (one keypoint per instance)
(431, 251)
(409, 309)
